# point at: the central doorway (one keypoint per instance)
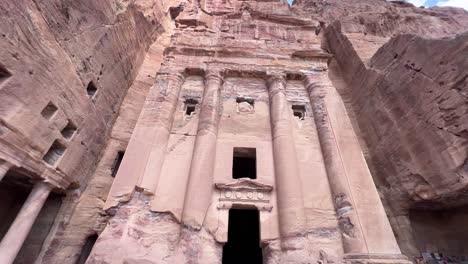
(243, 244)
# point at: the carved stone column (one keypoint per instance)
(366, 231)
(200, 185)
(162, 119)
(288, 183)
(19, 229)
(353, 240)
(144, 155)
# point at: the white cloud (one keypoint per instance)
(457, 3)
(418, 2)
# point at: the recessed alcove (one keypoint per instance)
(441, 231)
(190, 106)
(299, 111)
(250, 101)
(245, 105)
(91, 89)
(244, 163)
(69, 130)
(54, 153)
(49, 111)
(243, 245)
(14, 190)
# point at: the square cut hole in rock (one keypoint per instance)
(55, 153)
(244, 164)
(245, 105)
(49, 111)
(299, 111)
(190, 106)
(69, 130)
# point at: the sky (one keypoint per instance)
(429, 3)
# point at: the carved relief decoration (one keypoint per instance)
(244, 192)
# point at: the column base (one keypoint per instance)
(375, 259)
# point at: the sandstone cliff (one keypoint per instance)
(402, 71)
(65, 68)
(74, 76)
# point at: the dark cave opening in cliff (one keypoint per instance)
(243, 244)
(441, 230)
(15, 188)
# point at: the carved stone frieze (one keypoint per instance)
(244, 192)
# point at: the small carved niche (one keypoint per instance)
(91, 89)
(69, 130)
(117, 162)
(299, 111)
(4, 74)
(55, 153)
(245, 105)
(49, 111)
(190, 106)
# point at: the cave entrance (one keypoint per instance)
(243, 244)
(441, 231)
(15, 188)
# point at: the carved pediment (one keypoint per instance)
(244, 184)
(244, 192)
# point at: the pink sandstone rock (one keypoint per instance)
(355, 113)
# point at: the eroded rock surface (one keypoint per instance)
(402, 71)
(75, 75)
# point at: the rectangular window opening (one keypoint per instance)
(49, 111)
(243, 244)
(117, 162)
(299, 111)
(190, 106)
(244, 163)
(69, 130)
(55, 153)
(250, 101)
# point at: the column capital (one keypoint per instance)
(176, 76)
(214, 75)
(316, 80)
(275, 78)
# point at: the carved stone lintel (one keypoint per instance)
(214, 76)
(244, 192)
(276, 82)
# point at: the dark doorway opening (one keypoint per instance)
(87, 247)
(244, 163)
(243, 244)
